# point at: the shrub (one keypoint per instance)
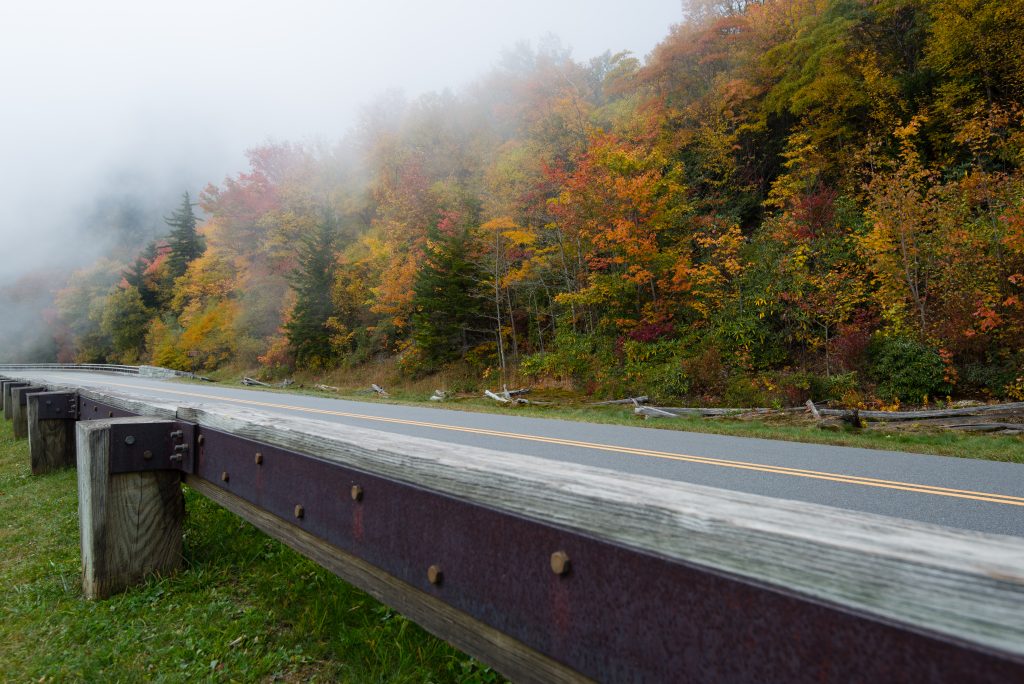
(906, 369)
(745, 392)
(654, 368)
(992, 377)
(705, 371)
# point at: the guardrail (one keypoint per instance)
(144, 371)
(548, 571)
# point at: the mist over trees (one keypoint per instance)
(788, 197)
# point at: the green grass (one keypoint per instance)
(245, 608)
(944, 443)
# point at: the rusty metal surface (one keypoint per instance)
(612, 613)
(160, 445)
(57, 405)
(90, 409)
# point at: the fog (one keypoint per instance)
(120, 105)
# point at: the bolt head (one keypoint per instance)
(560, 563)
(300, 512)
(357, 493)
(201, 440)
(435, 575)
(147, 455)
(224, 477)
(129, 440)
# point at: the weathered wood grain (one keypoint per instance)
(130, 523)
(966, 585)
(51, 443)
(509, 656)
(19, 409)
(8, 386)
(892, 416)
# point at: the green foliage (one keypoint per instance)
(310, 335)
(185, 243)
(655, 369)
(447, 306)
(906, 369)
(124, 321)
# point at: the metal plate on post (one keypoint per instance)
(58, 406)
(90, 409)
(160, 445)
(610, 612)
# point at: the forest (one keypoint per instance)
(785, 199)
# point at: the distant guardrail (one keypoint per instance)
(116, 369)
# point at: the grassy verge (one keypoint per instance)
(224, 618)
(944, 443)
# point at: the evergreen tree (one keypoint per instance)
(185, 243)
(447, 317)
(309, 332)
(135, 276)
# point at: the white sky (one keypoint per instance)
(170, 94)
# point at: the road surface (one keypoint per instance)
(964, 493)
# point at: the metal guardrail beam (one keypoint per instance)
(557, 572)
(116, 369)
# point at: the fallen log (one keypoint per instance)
(504, 397)
(439, 395)
(988, 427)
(813, 409)
(631, 400)
(326, 388)
(1016, 407)
(675, 412)
(253, 382)
(379, 390)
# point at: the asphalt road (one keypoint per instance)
(964, 493)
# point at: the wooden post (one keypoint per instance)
(19, 409)
(51, 441)
(8, 386)
(130, 522)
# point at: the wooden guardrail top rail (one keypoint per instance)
(965, 587)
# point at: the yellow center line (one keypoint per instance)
(664, 455)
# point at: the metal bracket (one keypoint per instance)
(90, 409)
(140, 447)
(58, 406)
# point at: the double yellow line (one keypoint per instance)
(669, 456)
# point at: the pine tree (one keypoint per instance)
(308, 331)
(135, 276)
(447, 317)
(185, 243)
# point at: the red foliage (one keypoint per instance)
(814, 214)
(850, 344)
(652, 332)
